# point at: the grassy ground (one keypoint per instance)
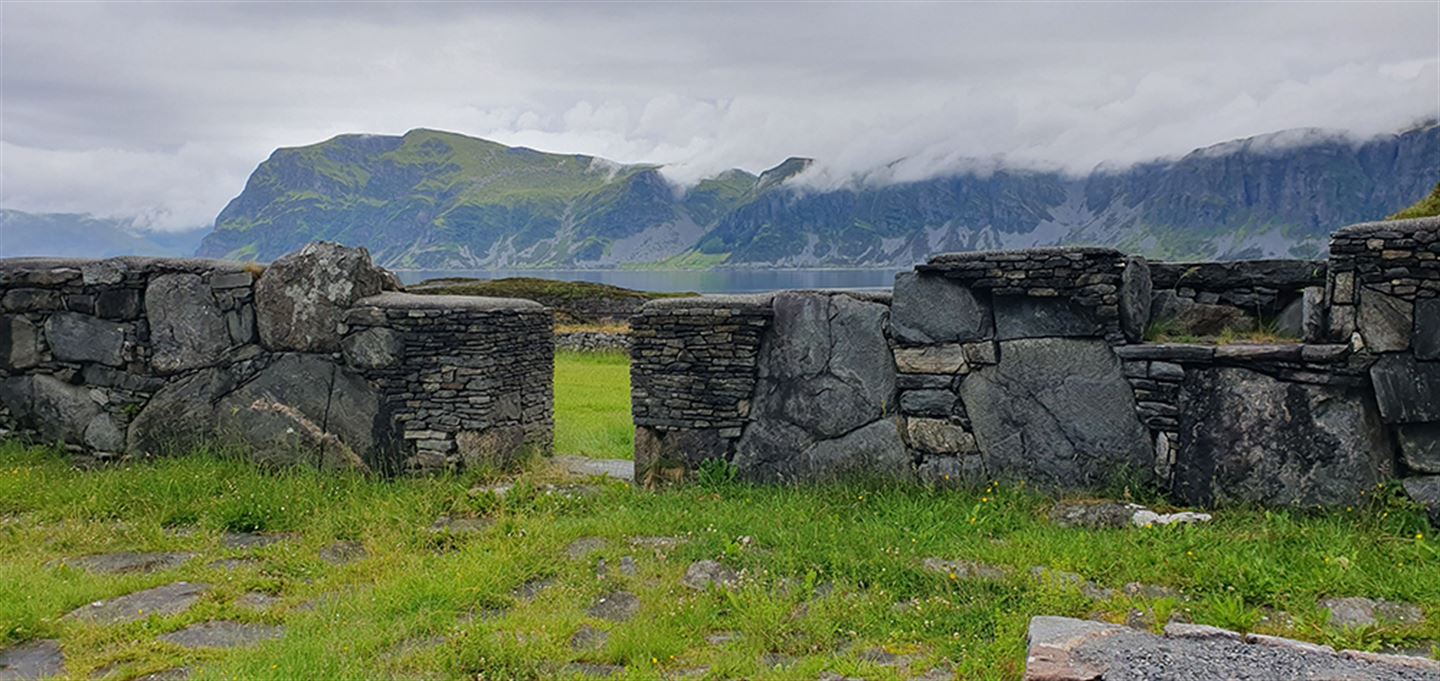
(592, 405)
(832, 578)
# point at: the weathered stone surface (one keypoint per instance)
(304, 409)
(1094, 515)
(187, 329)
(1425, 491)
(1420, 446)
(1136, 291)
(499, 447)
(19, 343)
(1426, 339)
(121, 304)
(940, 436)
(951, 471)
(684, 450)
(618, 606)
(1367, 612)
(343, 552)
(934, 359)
(129, 561)
(929, 309)
(1385, 321)
(301, 298)
(243, 541)
(927, 402)
(1407, 390)
(373, 348)
(81, 338)
(223, 634)
(58, 411)
(703, 574)
(1187, 317)
(33, 660)
(1248, 438)
(161, 601)
(1057, 412)
(1028, 317)
(875, 449)
(181, 415)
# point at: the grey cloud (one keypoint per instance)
(161, 110)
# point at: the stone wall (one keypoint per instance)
(1205, 298)
(1032, 365)
(304, 361)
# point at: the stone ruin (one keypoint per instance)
(1033, 365)
(315, 359)
(1021, 365)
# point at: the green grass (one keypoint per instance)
(592, 405)
(1424, 208)
(827, 573)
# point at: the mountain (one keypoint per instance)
(69, 235)
(437, 200)
(1424, 208)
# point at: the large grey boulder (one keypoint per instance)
(1420, 446)
(303, 409)
(1426, 492)
(187, 329)
(1426, 339)
(301, 299)
(181, 415)
(60, 412)
(1385, 321)
(1028, 317)
(19, 343)
(77, 337)
(1136, 290)
(930, 308)
(779, 452)
(1249, 438)
(373, 348)
(1056, 412)
(1187, 317)
(1407, 389)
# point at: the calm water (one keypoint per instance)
(713, 281)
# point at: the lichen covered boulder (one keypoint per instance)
(301, 299)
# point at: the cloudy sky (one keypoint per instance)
(161, 110)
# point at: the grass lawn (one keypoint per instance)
(592, 405)
(832, 579)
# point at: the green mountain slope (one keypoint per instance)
(437, 200)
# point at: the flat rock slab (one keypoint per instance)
(257, 601)
(129, 561)
(447, 524)
(252, 540)
(620, 469)
(223, 635)
(1069, 649)
(701, 575)
(616, 607)
(33, 660)
(163, 601)
(583, 547)
(1367, 612)
(590, 670)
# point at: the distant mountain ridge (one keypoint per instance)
(438, 200)
(73, 235)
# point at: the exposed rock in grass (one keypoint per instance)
(1367, 612)
(616, 607)
(702, 574)
(720, 638)
(223, 634)
(254, 600)
(1105, 515)
(128, 561)
(233, 564)
(963, 569)
(252, 540)
(619, 469)
(33, 660)
(1088, 588)
(161, 601)
(529, 590)
(591, 670)
(588, 638)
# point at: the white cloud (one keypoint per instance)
(162, 110)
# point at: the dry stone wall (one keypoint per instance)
(306, 361)
(1033, 365)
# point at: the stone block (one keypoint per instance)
(1426, 339)
(19, 343)
(187, 330)
(935, 359)
(302, 298)
(1029, 317)
(121, 304)
(1385, 322)
(1425, 490)
(77, 337)
(1407, 390)
(1246, 437)
(927, 402)
(1420, 446)
(1136, 290)
(374, 348)
(940, 436)
(32, 300)
(930, 308)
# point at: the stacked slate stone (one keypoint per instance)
(142, 356)
(1006, 368)
(1204, 298)
(1282, 424)
(85, 344)
(693, 371)
(592, 341)
(466, 381)
(1384, 289)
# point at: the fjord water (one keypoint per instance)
(698, 281)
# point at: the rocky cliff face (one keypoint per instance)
(439, 200)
